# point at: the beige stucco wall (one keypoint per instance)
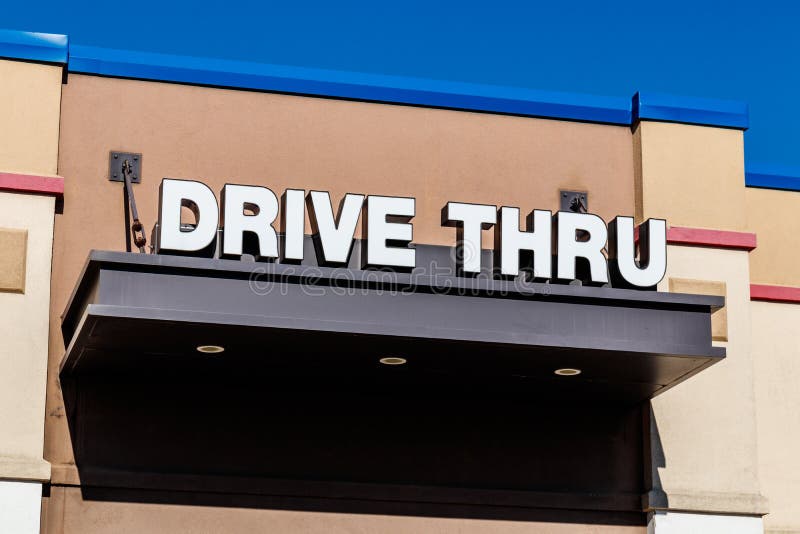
(773, 216)
(23, 330)
(690, 175)
(30, 100)
(776, 348)
(30, 96)
(704, 430)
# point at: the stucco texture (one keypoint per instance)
(69, 513)
(704, 452)
(691, 175)
(704, 430)
(30, 98)
(776, 346)
(773, 216)
(23, 330)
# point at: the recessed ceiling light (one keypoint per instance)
(393, 360)
(567, 372)
(210, 349)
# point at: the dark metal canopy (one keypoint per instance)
(147, 314)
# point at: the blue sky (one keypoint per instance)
(738, 50)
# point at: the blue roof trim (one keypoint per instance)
(690, 110)
(772, 177)
(45, 47)
(54, 48)
(351, 85)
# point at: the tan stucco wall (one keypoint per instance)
(281, 141)
(23, 331)
(704, 430)
(773, 216)
(30, 98)
(71, 514)
(692, 175)
(776, 347)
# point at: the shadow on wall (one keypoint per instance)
(358, 444)
(654, 457)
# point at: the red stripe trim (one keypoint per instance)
(774, 293)
(700, 237)
(29, 183)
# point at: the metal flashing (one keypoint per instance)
(348, 85)
(772, 177)
(370, 87)
(33, 46)
(690, 110)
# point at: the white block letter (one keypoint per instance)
(264, 205)
(293, 224)
(512, 241)
(652, 264)
(387, 220)
(174, 194)
(569, 249)
(334, 236)
(469, 219)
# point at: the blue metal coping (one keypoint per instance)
(772, 177)
(690, 110)
(45, 47)
(350, 85)
(371, 87)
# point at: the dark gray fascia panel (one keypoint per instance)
(502, 326)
